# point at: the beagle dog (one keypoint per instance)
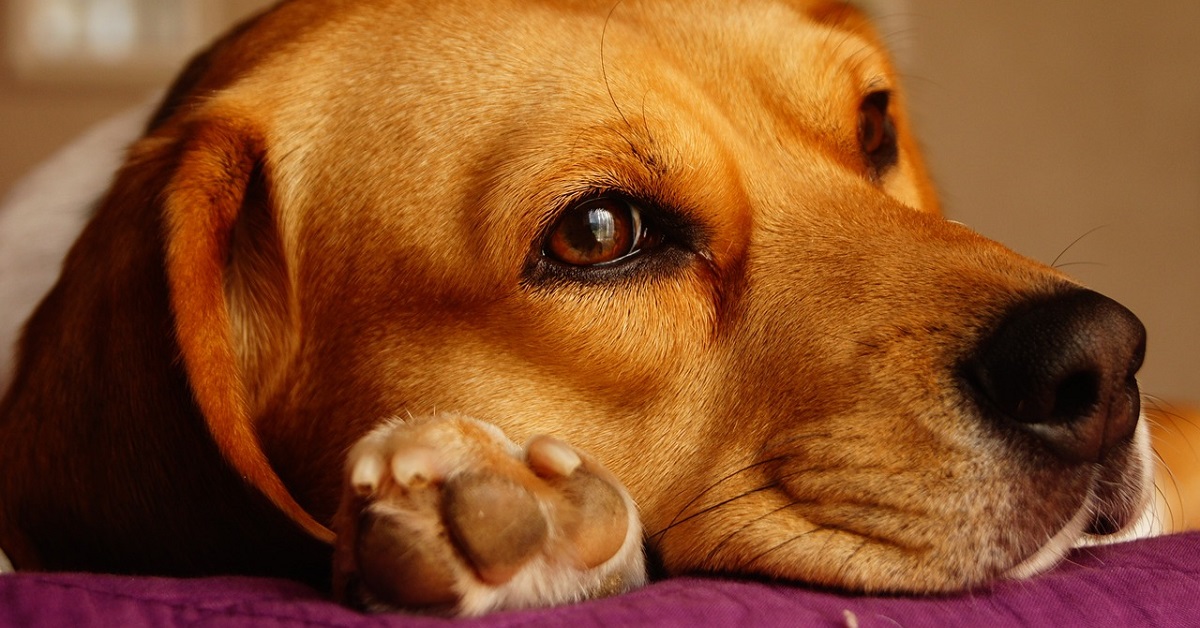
(463, 305)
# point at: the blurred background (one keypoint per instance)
(1068, 130)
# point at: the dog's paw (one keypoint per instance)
(448, 515)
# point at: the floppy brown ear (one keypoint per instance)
(204, 212)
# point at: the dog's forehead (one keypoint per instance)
(769, 49)
(533, 100)
(801, 57)
(764, 69)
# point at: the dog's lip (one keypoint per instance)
(1076, 533)
(1054, 550)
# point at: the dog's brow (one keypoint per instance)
(877, 83)
(613, 146)
(649, 159)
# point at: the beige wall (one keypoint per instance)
(34, 121)
(38, 118)
(1043, 121)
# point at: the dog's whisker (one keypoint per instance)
(661, 533)
(1169, 519)
(792, 539)
(1166, 499)
(604, 65)
(849, 560)
(1160, 407)
(1054, 264)
(729, 537)
(715, 485)
(1068, 264)
(645, 120)
(873, 505)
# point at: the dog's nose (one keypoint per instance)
(1062, 369)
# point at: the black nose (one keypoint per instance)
(1062, 369)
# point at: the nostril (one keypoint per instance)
(1061, 368)
(1076, 396)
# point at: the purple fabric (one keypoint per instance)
(1154, 582)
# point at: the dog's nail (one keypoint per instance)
(414, 466)
(550, 457)
(366, 474)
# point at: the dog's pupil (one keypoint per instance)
(593, 233)
(871, 129)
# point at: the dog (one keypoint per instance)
(457, 306)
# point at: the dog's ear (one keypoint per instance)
(228, 281)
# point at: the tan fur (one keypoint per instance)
(334, 219)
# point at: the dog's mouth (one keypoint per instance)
(1013, 470)
(1079, 532)
(1050, 554)
(1086, 529)
(896, 527)
(1117, 508)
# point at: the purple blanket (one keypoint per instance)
(1155, 582)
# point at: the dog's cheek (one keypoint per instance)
(625, 338)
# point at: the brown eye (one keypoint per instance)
(596, 232)
(876, 132)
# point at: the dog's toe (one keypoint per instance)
(596, 517)
(448, 515)
(398, 567)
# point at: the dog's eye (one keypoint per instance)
(598, 231)
(877, 132)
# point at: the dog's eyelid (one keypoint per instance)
(674, 223)
(880, 98)
(878, 83)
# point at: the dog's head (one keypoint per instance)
(694, 238)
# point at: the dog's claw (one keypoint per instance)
(415, 466)
(366, 475)
(466, 522)
(550, 457)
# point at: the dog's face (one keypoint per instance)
(694, 238)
